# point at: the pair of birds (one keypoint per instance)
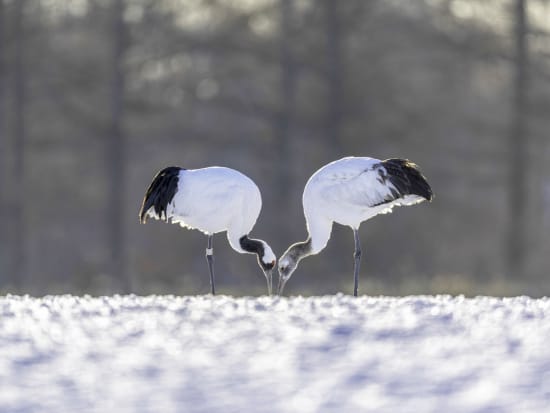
(347, 191)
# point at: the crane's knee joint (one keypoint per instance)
(357, 254)
(209, 252)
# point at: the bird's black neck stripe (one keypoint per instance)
(252, 245)
(255, 247)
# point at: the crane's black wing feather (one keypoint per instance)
(405, 177)
(160, 193)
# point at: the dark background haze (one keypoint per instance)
(97, 95)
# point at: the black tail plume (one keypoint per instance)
(160, 193)
(407, 178)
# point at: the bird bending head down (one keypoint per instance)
(266, 257)
(268, 260)
(289, 261)
(350, 191)
(212, 200)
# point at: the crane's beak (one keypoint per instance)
(281, 285)
(269, 277)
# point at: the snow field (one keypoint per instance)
(316, 354)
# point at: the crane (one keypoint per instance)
(349, 191)
(212, 200)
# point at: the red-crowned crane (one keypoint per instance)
(349, 191)
(212, 200)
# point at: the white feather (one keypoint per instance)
(216, 199)
(347, 191)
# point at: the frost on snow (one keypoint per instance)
(318, 354)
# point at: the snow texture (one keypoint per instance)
(318, 354)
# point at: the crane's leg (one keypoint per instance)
(357, 256)
(210, 260)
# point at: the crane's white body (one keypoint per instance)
(347, 191)
(216, 199)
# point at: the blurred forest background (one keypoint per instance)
(97, 95)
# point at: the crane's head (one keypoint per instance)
(267, 260)
(287, 265)
(266, 257)
(289, 261)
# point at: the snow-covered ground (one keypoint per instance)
(318, 354)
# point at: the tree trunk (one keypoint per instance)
(334, 77)
(3, 149)
(19, 235)
(518, 191)
(116, 151)
(286, 113)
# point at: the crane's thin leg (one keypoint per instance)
(210, 260)
(357, 256)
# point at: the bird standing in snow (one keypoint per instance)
(349, 191)
(212, 200)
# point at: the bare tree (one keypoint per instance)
(518, 193)
(334, 75)
(116, 150)
(288, 101)
(19, 235)
(3, 135)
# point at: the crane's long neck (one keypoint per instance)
(252, 246)
(319, 233)
(265, 254)
(319, 229)
(300, 250)
(266, 257)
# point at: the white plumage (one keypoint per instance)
(212, 200)
(349, 191)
